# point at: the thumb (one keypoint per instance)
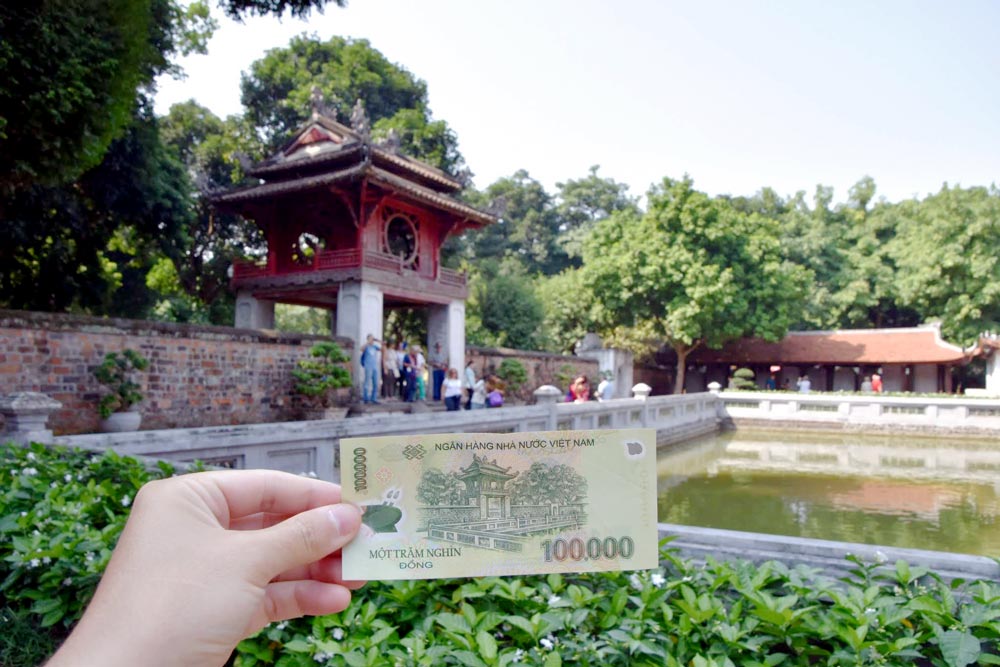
(304, 538)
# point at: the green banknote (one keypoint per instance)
(478, 504)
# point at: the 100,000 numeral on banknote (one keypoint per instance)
(477, 504)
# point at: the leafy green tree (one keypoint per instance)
(503, 309)
(570, 309)
(584, 202)
(528, 228)
(945, 248)
(88, 245)
(277, 92)
(214, 152)
(548, 484)
(70, 72)
(691, 271)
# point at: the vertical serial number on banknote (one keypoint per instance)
(477, 504)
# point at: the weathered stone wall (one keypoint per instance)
(542, 368)
(198, 375)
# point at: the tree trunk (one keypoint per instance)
(682, 352)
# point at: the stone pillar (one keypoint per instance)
(547, 395)
(359, 313)
(25, 416)
(993, 373)
(446, 325)
(253, 313)
(641, 391)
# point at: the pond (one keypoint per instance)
(903, 491)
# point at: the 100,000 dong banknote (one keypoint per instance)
(477, 504)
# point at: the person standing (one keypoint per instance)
(606, 388)
(469, 383)
(410, 374)
(804, 384)
(420, 368)
(390, 371)
(478, 400)
(876, 383)
(371, 366)
(439, 364)
(401, 377)
(451, 388)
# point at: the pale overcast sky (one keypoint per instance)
(740, 94)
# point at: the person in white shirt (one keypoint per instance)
(470, 383)
(390, 372)
(451, 389)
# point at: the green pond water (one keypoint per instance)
(922, 493)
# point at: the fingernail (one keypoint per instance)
(346, 518)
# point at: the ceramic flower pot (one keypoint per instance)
(121, 422)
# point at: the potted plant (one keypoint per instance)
(116, 373)
(322, 380)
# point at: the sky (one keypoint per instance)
(739, 95)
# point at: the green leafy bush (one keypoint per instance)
(513, 373)
(683, 614)
(61, 512)
(115, 373)
(318, 376)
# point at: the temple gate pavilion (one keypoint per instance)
(355, 227)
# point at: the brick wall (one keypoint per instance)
(198, 375)
(542, 368)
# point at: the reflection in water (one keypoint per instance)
(899, 491)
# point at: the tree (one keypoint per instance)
(88, 245)
(544, 484)
(528, 227)
(945, 249)
(69, 77)
(277, 93)
(583, 203)
(437, 487)
(503, 309)
(691, 271)
(213, 151)
(570, 309)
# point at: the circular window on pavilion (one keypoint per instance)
(401, 238)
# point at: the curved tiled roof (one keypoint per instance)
(846, 347)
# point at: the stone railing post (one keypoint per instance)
(641, 391)
(26, 414)
(547, 395)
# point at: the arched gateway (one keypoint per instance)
(354, 227)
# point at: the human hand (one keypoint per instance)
(208, 559)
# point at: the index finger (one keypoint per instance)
(248, 492)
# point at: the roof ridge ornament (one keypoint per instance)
(392, 142)
(317, 100)
(359, 120)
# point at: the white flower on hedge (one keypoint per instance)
(554, 599)
(880, 557)
(52, 485)
(337, 634)
(31, 456)
(29, 472)
(635, 581)
(547, 642)
(68, 478)
(33, 563)
(323, 656)
(657, 579)
(518, 655)
(126, 500)
(89, 556)
(46, 560)
(24, 514)
(67, 581)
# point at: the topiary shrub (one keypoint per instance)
(318, 377)
(116, 373)
(743, 379)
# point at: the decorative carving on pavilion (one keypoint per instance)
(335, 207)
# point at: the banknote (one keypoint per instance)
(478, 504)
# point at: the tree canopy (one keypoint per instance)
(690, 271)
(277, 90)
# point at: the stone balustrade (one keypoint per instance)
(868, 411)
(312, 446)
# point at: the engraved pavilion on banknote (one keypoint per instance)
(490, 517)
(355, 227)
